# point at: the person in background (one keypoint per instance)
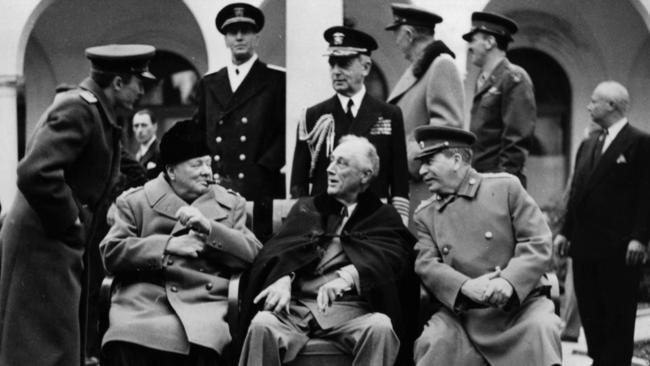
(145, 127)
(351, 111)
(503, 110)
(242, 109)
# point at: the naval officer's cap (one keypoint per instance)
(239, 13)
(491, 23)
(433, 139)
(122, 59)
(412, 15)
(347, 42)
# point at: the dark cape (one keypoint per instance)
(375, 241)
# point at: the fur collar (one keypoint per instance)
(430, 52)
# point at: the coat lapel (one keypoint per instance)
(616, 148)
(403, 85)
(252, 84)
(162, 198)
(366, 117)
(220, 89)
(494, 76)
(208, 206)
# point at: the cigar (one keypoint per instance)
(211, 181)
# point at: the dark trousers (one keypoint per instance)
(263, 218)
(606, 290)
(129, 354)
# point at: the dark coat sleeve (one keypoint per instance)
(273, 158)
(518, 113)
(399, 185)
(58, 140)
(300, 167)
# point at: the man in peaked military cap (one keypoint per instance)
(242, 109)
(351, 111)
(483, 247)
(66, 176)
(503, 108)
(430, 91)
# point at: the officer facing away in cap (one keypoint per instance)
(65, 178)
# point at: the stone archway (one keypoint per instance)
(59, 33)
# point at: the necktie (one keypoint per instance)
(236, 71)
(481, 81)
(348, 113)
(598, 147)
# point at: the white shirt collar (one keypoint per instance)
(145, 147)
(356, 99)
(235, 77)
(612, 131)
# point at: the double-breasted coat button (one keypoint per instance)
(174, 289)
(170, 262)
(242, 157)
(208, 286)
(220, 122)
(240, 175)
(242, 139)
(472, 181)
(445, 250)
(217, 158)
(488, 235)
(244, 120)
(218, 139)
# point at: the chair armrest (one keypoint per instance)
(232, 317)
(105, 292)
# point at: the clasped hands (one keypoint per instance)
(192, 243)
(489, 289)
(278, 295)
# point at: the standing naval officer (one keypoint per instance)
(70, 167)
(351, 111)
(431, 90)
(242, 108)
(503, 109)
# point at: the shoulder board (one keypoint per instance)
(276, 67)
(516, 77)
(132, 190)
(497, 175)
(88, 96)
(425, 203)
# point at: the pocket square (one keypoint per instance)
(621, 159)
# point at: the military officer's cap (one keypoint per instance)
(433, 139)
(122, 59)
(491, 23)
(184, 141)
(239, 13)
(412, 15)
(345, 42)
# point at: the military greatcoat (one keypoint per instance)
(491, 222)
(67, 174)
(503, 120)
(164, 301)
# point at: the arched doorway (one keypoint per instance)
(548, 164)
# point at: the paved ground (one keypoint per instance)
(575, 354)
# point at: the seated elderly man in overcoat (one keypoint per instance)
(340, 268)
(172, 249)
(483, 248)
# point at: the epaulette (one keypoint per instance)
(497, 175)
(132, 190)
(516, 77)
(425, 203)
(88, 96)
(276, 67)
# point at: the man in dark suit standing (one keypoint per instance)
(606, 228)
(145, 127)
(503, 110)
(242, 108)
(351, 111)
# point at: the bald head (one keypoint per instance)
(609, 103)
